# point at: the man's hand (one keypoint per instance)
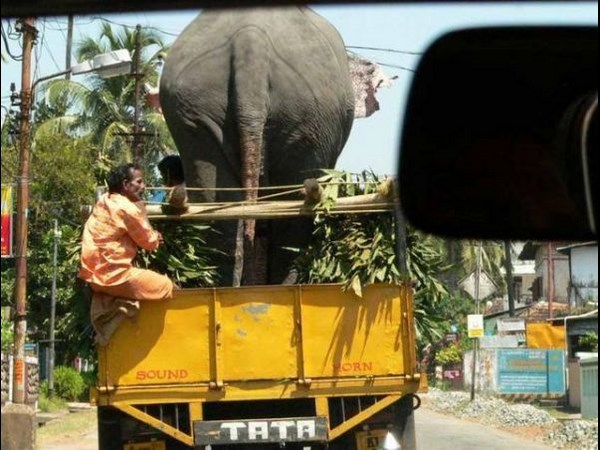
(177, 201)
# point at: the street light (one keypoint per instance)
(106, 65)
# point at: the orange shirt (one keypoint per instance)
(111, 237)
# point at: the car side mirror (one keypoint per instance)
(500, 135)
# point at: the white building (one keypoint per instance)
(583, 272)
(551, 270)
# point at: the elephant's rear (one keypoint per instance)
(260, 96)
(309, 98)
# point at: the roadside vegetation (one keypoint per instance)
(69, 386)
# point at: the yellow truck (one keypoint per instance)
(295, 367)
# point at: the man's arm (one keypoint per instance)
(140, 230)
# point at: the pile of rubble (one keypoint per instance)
(576, 434)
(571, 434)
(490, 410)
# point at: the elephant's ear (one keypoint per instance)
(367, 77)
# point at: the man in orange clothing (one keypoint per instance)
(112, 235)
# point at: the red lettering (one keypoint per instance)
(170, 374)
(355, 367)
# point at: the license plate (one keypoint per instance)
(154, 445)
(303, 429)
(370, 440)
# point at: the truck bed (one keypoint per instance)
(289, 351)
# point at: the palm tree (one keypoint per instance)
(109, 108)
(102, 110)
(462, 256)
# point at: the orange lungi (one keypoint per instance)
(143, 285)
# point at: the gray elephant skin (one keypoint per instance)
(257, 97)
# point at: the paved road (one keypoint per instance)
(434, 432)
(439, 432)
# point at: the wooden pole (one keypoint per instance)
(69, 46)
(360, 204)
(19, 374)
(550, 280)
(509, 278)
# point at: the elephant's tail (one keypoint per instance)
(250, 71)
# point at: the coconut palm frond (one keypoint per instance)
(161, 138)
(58, 125)
(88, 48)
(56, 91)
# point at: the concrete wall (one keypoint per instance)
(485, 372)
(574, 384)
(32, 383)
(562, 275)
(589, 388)
(517, 372)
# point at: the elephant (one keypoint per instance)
(257, 97)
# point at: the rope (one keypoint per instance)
(296, 187)
(290, 213)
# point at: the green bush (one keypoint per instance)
(90, 380)
(48, 405)
(7, 335)
(589, 342)
(44, 391)
(449, 355)
(442, 385)
(68, 383)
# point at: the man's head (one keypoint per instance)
(127, 180)
(171, 170)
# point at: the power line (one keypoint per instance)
(387, 50)
(37, 50)
(6, 44)
(58, 27)
(103, 19)
(396, 66)
(45, 44)
(13, 35)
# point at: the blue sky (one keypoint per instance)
(374, 141)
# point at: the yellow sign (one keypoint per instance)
(370, 440)
(475, 325)
(546, 336)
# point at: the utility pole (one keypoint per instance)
(550, 259)
(69, 46)
(137, 142)
(29, 36)
(476, 340)
(53, 311)
(509, 278)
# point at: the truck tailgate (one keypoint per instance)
(264, 334)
